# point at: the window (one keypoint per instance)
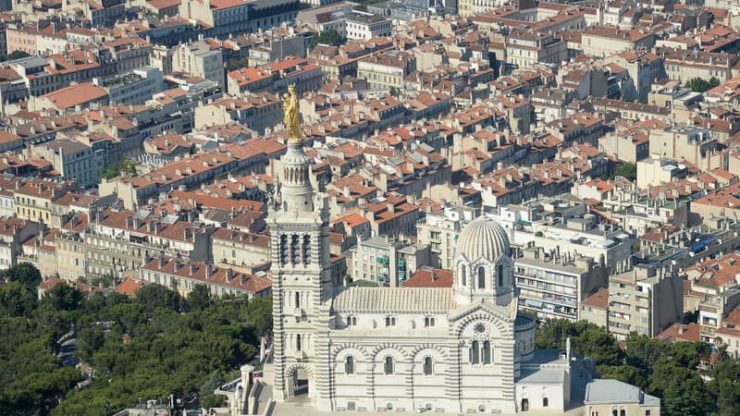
(390, 321)
(622, 412)
(428, 321)
(307, 249)
(352, 320)
(615, 413)
(298, 342)
(349, 365)
(388, 367)
(474, 353)
(487, 352)
(500, 275)
(462, 276)
(481, 278)
(294, 253)
(545, 402)
(428, 366)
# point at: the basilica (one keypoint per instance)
(459, 349)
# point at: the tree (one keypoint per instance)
(89, 341)
(63, 297)
(260, 315)
(328, 37)
(25, 273)
(199, 298)
(16, 300)
(701, 85)
(626, 170)
(17, 55)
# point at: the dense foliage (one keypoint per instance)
(702, 85)
(328, 37)
(668, 371)
(144, 348)
(126, 166)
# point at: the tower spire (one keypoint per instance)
(297, 194)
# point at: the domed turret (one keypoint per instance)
(483, 265)
(483, 238)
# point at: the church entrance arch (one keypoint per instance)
(299, 383)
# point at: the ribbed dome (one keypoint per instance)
(483, 237)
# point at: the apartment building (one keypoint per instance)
(527, 48)
(34, 199)
(552, 285)
(72, 159)
(363, 25)
(13, 233)
(235, 249)
(183, 276)
(440, 230)
(644, 301)
(605, 40)
(386, 70)
(712, 313)
(656, 171)
(199, 59)
(684, 65)
(387, 262)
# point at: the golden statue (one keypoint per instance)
(291, 115)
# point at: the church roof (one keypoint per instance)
(483, 238)
(398, 300)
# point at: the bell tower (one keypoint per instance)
(302, 287)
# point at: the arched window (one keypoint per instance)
(298, 342)
(349, 365)
(307, 249)
(546, 402)
(463, 277)
(622, 412)
(283, 249)
(475, 353)
(500, 275)
(487, 352)
(481, 278)
(428, 366)
(294, 249)
(615, 413)
(388, 367)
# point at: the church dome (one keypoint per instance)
(483, 237)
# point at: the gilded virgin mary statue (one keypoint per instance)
(291, 114)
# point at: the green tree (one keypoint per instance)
(25, 273)
(626, 170)
(17, 55)
(702, 85)
(259, 312)
(63, 297)
(89, 341)
(328, 37)
(16, 300)
(199, 298)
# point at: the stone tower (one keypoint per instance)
(301, 282)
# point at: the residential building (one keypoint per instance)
(553, 286)
(199, 59)
(72, 159)
(441, 229)
(387, 262)
(644, 301)
(184, 276)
